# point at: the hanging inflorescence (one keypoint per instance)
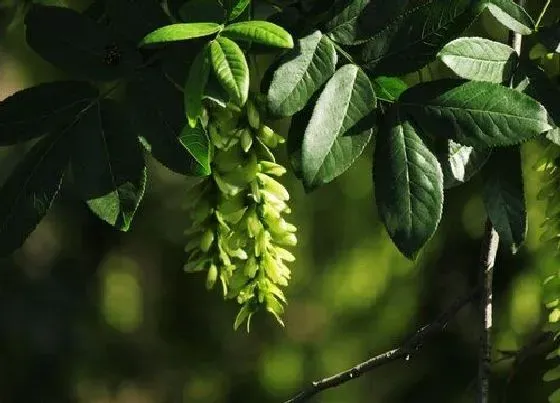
(238, 234)
(550, 168)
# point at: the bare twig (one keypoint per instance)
(487, 258)
(410, 347)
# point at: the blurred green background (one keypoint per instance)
(91, 315)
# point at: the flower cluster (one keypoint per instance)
(549, 166)
(238, 234)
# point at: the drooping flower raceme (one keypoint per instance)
(238, 233)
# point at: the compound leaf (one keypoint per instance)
(77, 44)
(34, 111)
(108, 164)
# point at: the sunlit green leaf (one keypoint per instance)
(181, 32)
(510, 14)
(237, 9)
(388, 88)
(231, 69)
(262, 32)
(480, 59)
(303, 71)
(460, 163)
(196, 142)
(329, 148)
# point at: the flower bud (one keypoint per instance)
(212, 276)
(253, 115)
(246, 140)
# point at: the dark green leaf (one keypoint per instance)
(30, 190)
(329, 148)
(231, 69)
(550, 37)
(108, 164)
(303, 71)
(202, 11)
(408, 185)
(159, 118)
(480, 59)
(238, 7)
(196, 142)
(377, 15)
(77, 44)
(262, 32)
(196, 82)
(413, 39)
(35, 111)
(539, 86)
(180, 32)
(135, 19)
(343, 25)
(504, 196)
(510, 14)
(460, 163)
(475, 113)
(388, 88)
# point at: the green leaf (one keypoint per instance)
(343, 25)
(30, 190)
(238, 7)
(295, 136)
(408, 184)
(263, 32)
(180, 32)
(34, 111)
(539, 86)
(510, 15)
(196, 83)
(159, 118)
(202, 11)
(302, 72)
(480, 59)
(413, 39)
(388, 88)
(77, 44)
(195, 140)
(504, 196)
(135, 19)
(231, 69)
(460, 163)
(475, 113)
(108, 164)
(329, 148)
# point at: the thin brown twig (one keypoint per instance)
(410, 347)
(487, 258)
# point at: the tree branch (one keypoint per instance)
(410, 347)
(487, 258)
